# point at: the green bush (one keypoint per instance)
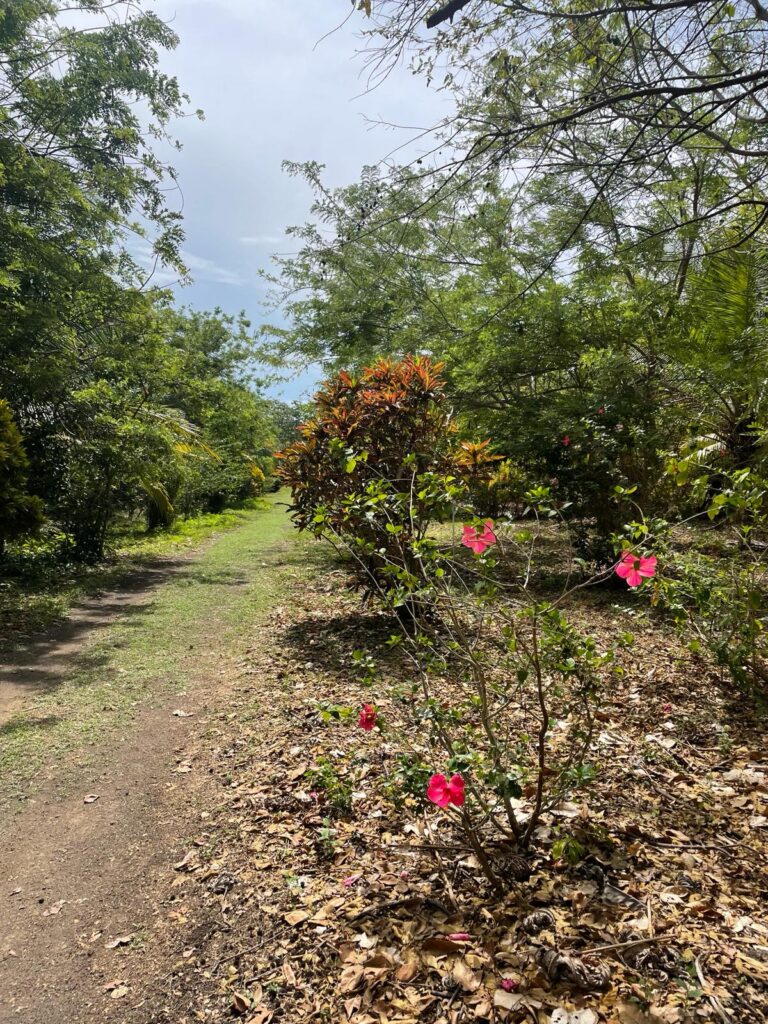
(377, 465)
(21, 513)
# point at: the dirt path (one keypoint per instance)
(77, 873)
(43, 662)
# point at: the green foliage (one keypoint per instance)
(374, 468)
(720, 601)
(76, 158)
(409, 779)
(324, 777)
(20, 511)
(568, 849)
(148, 413)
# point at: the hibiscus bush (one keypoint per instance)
(502, 689)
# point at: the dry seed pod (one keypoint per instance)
(592, 976)
(538, 921)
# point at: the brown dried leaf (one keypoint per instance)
(465, 977)
(240, 1003)
(263, 1015)
(188, 862)
(441, 946)
(296, 917)
(407, 972)
(351, 979)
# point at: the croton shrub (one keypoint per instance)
(377, 465)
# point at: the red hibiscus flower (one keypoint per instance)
(367, 719)
(635, 568)
(566, 440)
(442, 791)
(476, 540)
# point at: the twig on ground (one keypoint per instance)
(618, 945)
(378, 908)
(714, 1002)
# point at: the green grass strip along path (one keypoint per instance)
(186, 628)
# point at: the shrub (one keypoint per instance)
(377, 465)
(721, 602)
(503, 689)
(20, 512)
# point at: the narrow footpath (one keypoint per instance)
(97, 785)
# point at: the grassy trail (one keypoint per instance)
(79, 695)
(101, 778)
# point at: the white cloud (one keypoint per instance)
(272, 89)
(207, 270)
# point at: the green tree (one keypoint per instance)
(20, 511)
(649, 116)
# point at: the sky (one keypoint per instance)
(272, 89)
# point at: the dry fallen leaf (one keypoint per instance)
(351, 978)
(119, 992)
(263, 1015)
(506, 1000)
(630, 1013)
(54, 908)
(296, 917)
(121, 940)
(465, 977)
(188, 862)
(91, 798)
(407, 972)
(441, 945)
(289, 974)
(561, 1016)
(240, 1003)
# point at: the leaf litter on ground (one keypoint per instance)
(375, 912)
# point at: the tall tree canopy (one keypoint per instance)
(651, 118)
(124, 403)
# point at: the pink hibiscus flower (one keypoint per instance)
(478, 541)
(635, 568)
(367, 719)
(442, 791)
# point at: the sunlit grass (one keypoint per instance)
(37, 590)
(191, 626)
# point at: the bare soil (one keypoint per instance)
(85, 861)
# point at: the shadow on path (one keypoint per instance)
(40, 664)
